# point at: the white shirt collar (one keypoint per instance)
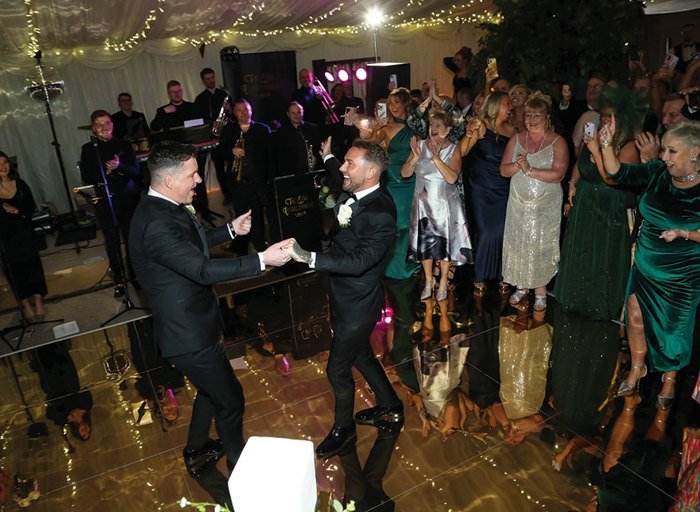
(366, 192)
(155, 193)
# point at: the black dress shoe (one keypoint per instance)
(336, 441)
(385, 417)
(195, 460)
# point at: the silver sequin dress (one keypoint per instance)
(533, 218)
(438, 222)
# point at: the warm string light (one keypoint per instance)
(139, 36)
(32, 31)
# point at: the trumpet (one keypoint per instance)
(237, 165)
(221, 120)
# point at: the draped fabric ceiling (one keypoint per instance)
(102, 47)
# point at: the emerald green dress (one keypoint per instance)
(401, 190)
(665, 276)
(595, 257)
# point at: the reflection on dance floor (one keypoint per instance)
(504, 410)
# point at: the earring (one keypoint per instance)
(693, 159)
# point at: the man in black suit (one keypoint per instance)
(209, 101)
(169, 250)
(364, 231)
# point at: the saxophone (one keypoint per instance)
(221, 119)
(237, 166)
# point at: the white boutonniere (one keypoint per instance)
(191, 209)
(344, 215)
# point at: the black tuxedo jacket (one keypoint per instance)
(259, 156)
(291, 149)
(169, 251)
(356, 254)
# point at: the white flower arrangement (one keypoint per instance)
(344, 215)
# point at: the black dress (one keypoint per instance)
(20, 255)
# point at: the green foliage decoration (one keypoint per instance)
(543, 42)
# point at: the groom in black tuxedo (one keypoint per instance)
(169, 251)
(356, 294)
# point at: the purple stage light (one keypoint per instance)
(343, 75)
(329, 76)
(361, 74)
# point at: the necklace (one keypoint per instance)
(527, 142)
(687, 178)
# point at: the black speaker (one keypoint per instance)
(266, 79)
(378, 75)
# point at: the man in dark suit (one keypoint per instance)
(129, 124)
(169, 250)
(364, 231)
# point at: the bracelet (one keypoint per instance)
(605, 143)
(687, 234)
(231, 231)
(529, 172)
(518, 166)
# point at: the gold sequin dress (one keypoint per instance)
(533, 218)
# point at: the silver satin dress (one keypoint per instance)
(533, 219)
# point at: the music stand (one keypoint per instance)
(24, 324)
(106, 194)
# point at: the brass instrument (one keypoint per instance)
(237, 165)
(221, 120)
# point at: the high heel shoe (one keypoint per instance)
(517, 297)
(663, 402)
(441, 293)
(540, 303)
(628, 390)
(427, 289)
(479, 289)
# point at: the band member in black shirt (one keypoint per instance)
(245, 148)
(209, 101)
(117, 159)
(129, 124)
(176, 112)
(298, 143)
(307, 98)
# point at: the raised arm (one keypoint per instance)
(475, 130)
(408, 168)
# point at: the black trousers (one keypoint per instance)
(351, 347)
(219, 397)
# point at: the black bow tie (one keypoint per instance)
(351, 196)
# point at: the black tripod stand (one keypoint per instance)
(55, 144)
(24, 324)
(104, 196)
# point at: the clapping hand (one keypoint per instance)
(522, 163)
(110, 165)
(325, 148)
(241, 225)
(473, 124)
(606, 133)
(10, 209)
(671, 234)
(648, 146)
(415, 147)
(296, 252)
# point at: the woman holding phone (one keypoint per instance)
(596, 252)
(395, 135)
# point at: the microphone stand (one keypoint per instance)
(24, 324)
(107, 194)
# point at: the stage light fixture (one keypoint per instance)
(343, 75)
(361, 74)
(329, 76)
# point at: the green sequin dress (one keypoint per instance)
(595, 257)
(665, 276)
(401, 190)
